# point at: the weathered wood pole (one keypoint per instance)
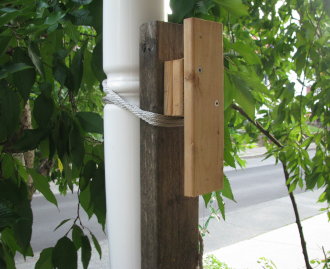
(169, 221)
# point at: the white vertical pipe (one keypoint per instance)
(121, 22)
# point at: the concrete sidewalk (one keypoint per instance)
(282, 246)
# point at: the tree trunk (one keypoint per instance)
(28, 156)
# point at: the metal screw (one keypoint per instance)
(200, 69)
(216, 103)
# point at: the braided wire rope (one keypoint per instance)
(153, 119)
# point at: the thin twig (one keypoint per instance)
(326, 259)
(286, 174)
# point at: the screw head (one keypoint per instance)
(200, 69)
(216, 103)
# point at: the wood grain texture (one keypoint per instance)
(178, 87)
(173, 85)
(203, 106)
(169, 220)
(168, 88)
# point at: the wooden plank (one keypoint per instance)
(169, 221)
(173, 84)
(168, 88)
(203, 106)
(178, 87)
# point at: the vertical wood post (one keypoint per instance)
(169, 221)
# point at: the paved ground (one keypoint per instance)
(282, 246)
(251, 221)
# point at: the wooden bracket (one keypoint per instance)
(194, 89)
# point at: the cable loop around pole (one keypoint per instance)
(153, 119)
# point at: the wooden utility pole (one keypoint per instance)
(169, 221)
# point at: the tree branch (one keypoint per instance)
(287, 176)
(258, 125)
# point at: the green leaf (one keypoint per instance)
(82, 17)
(96, 11)
(41, 184)
(85, 201)
(88, 79)
(43, 110)
(62, 223)
(8, 167)
(76, 144)
(76, 70)
(247, 52)
(61, 137)
(30, 140)
(7, 216)
(22, 172)
(25, 79)
(65, 254)
(300, 59)
(72, 31)
(86, 251)
(9, 111)
(227, 191)
(207, 198)
(228, 92)
(91, 122)
(221, 204)
(4, 43)
(97, 245)
(34, 54)
(88, 174)
(7, 17)
(243, 96)
(61, 72)
(234, 7)
(48, 48)
(97, 189)
(97, 61)
(82, 2)
(77, 235)
(13, 68)
(9, 236)
(6, 258)
(228, 149)
(17, 198)
(45, 259)
(181, 9)
(54, 18)
(293, 186)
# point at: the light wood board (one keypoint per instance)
(203, 107)
(173, 87)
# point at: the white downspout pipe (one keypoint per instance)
(121, 22)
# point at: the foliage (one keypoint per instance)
(50, 70)
(211, 262)
(277, 73)
(324, 263)
(266, 263)
(274, 52)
